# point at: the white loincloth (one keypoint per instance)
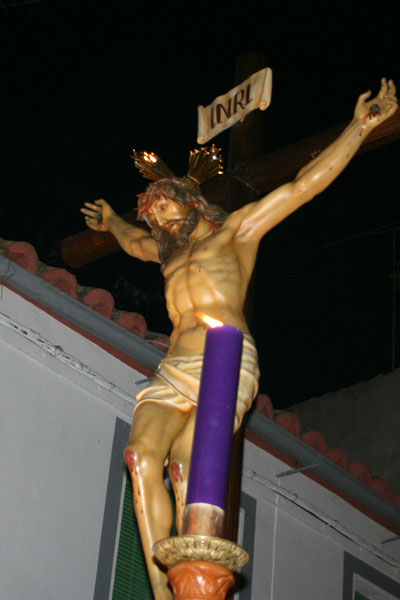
(177, 381)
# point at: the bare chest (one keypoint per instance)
(201, 274)
(196, 259)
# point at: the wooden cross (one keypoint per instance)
(249, 177)
(261, 174)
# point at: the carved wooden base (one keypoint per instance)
(200, 580)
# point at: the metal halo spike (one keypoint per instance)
(204, 164)
(150, 165)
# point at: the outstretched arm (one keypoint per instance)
(137, 242)
(258, 218)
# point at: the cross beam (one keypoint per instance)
(267, 172)
(261, 175)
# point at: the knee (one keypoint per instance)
(142, 459)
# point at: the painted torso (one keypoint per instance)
(209, 276)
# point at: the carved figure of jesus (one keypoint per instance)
(207, 259)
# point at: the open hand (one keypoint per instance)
(96, 214)
(372, 112)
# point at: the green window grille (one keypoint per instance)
(358, 596)
(131, 581)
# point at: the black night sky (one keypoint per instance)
(83, 83)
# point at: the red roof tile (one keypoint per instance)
(264, 405)
(290, 422)
(63, 280)
(24, 255)
(338, 456)
(382, 486)
(316, 440)
(134, 322)
(101, 301)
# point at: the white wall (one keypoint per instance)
(57, 423)
(303, 532)
(56, 433)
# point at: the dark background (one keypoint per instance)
(83, 83)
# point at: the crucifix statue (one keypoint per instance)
(207, 258)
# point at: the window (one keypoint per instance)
(131, 581)
(358, 596)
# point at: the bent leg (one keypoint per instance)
(180, 455)
(155, 426)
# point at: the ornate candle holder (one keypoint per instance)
(200, 566)
(200, 562)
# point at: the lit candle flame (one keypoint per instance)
(209, 320)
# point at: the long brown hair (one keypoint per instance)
(185, 192)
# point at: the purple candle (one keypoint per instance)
(209, 468)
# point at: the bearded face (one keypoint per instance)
(174, 234)
(172, 208)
